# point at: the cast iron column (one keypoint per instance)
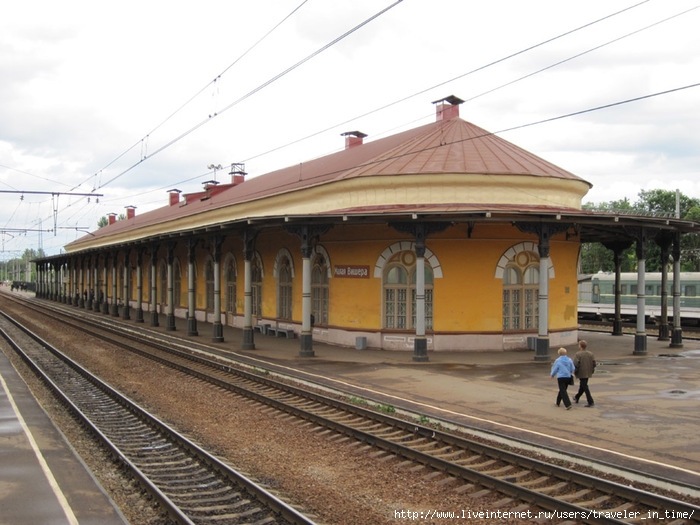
(191, 319)
(617, 248)
(139, 284)
(664, 242)
(88, 302)
(640, 337)
(105, 303)
(542, 349)
(217, 327)
(115, 307)
(154, 287)
(306, 344)
(677, 333)
(617, 322)
(81, 276)
(126, 311)
(170, 322)
(248, 252)
(420, 343)
(95, 286)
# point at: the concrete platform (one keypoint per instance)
(42, 480)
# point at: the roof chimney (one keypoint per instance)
(174, 197)
(447, 108)
(353, 138)
(237, 173)
(130, 212)
(112, 218)
(208, 186)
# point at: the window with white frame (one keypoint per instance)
(284, 289)
(520, 294)
(319, 290)
(399, 293)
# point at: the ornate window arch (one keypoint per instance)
(399, 291)
(430, 258)
(519, 268)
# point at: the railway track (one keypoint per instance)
(528, 486)
(191, 485)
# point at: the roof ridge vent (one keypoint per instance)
(353, 138)
(447, 108)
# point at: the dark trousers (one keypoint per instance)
(583, 389)
(563, 394)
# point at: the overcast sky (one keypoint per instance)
(130, 99)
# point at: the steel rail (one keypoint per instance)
(288, 513)
(502, 485)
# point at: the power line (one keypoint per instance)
(191, 130)
(590, 50)
(254, 91)
(504, 130)
(393, 103)
(144, 139)
(471, 72)
(250, 93)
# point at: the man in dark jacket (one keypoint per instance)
(584, 363)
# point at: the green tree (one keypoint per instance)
(595, 257)
(104, 221)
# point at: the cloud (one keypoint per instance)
(89, 91)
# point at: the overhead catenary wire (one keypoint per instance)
(247, 95)
(445, 82)
(480, 68)
(492, 133)
(144, 140)
(437, 85)
(145, 157)
(530, 124)
(254, 91)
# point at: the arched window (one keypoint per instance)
(209, 277)
(521, 286)
(319, 290)
(400, 293)
(231, 286)
(256, 285)
(284, 289)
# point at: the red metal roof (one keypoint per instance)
(451, 146)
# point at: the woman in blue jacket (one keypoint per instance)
(563, 369)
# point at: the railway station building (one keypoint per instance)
(442, 237)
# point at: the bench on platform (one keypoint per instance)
(281, 332)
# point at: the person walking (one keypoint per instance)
(562, 369)
(584, 364)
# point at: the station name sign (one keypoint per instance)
(350, 271)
